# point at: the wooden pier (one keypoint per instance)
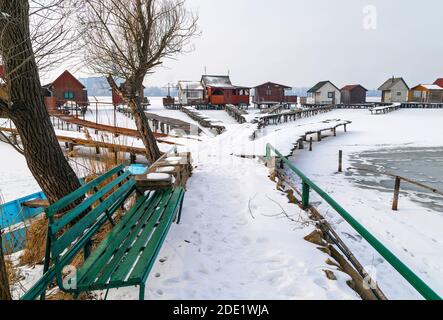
(275, 119)
(116, 131)
(200, 106)
(421, 105)
(362, 105)
(385, 109)
(163, 125)
(100, 127)
(71, 142)
(195, 115)
(276, 109)
(236, 113)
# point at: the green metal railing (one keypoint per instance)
(404, 270)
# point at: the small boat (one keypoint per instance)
(16, 217)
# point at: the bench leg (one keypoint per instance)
(106, 295)
(180, 212)
(142, 292)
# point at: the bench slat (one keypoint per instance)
(86, 222)
(40, 286)
(114, 241)
(64, 202)
(88, 272)
(74, 213)
(125, 265)
(150, 253)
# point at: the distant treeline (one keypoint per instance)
(99, 87)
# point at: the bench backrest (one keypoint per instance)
(76, 218)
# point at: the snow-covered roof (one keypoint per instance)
(390, 83)
(273, 84)
(352, 87)
(320, 85)
(217, 81)
(432, 87)
(190, 85)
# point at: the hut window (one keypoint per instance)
(68, 95)
(217, 92)
(330, 95)
(398, 93)
(269, 92)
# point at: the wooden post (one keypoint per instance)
(310, 144)
(396, 193)
(340, 161)
(5, 292)
(305, 195)
(71, 149)
(14, 138)
(319, 136)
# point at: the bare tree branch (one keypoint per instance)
(128, 39)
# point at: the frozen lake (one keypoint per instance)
(424, 165)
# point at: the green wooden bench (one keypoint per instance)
(126, 256)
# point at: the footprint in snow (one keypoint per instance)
(262, 240)
(246, 241)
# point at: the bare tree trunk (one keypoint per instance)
(141, 121)
(27, 110)
(5, 292)
(129, 93)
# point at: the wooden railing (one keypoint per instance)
(308, 186)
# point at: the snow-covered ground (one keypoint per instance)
(235, 241)
(15, 178)
(414, 232)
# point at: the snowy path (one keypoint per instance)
(414, 232)
(234, 243)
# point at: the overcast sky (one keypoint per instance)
(301, 42)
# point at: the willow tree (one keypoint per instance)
(33, 35)
(128, 39)
(5, 292)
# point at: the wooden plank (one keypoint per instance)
(82, 207)
(64, 202)
(38, 203)
(136, 249)
(151, 251)
(77, 230)
(126, 230)
(104, 127)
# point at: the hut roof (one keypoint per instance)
(352, 87)
(66, 73)
(190, 85)
(320, 85)
(390, 83)
(429, 87)
(217, 81)
(274, 84)
(439, 82)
